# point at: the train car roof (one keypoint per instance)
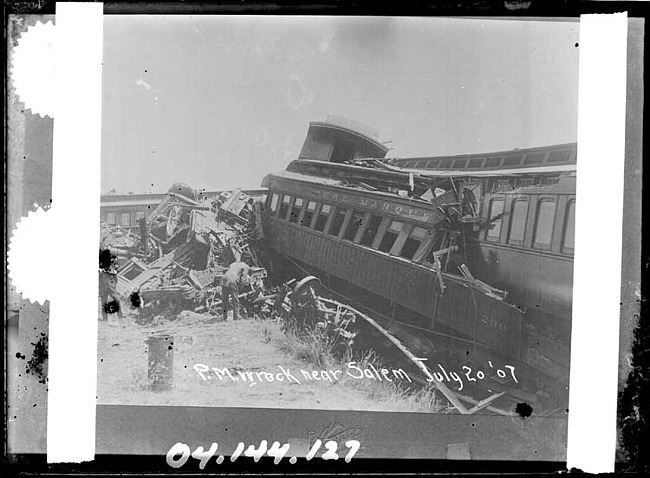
(490, 173)
(295, 176)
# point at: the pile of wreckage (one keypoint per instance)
(175, 260)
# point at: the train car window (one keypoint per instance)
(432, 164)
(459, 163)
(544, 224)
(390, 236)
(534, 158)
(417, 164)
(339, 217)
(309, 214)
(525, 182)
(494, 227)
(323, 214)
(569, 227)
(284, 206)
(370, 231)
(355, 223)
(413, 242)
(274, 202)
(445, 163)
(475, 163)
(126, 219)
(492, 162)
(518, 221)
(559, 156)
(139, 215)
(548, 181)
(110, 218)
(295, 210)
(512, 160)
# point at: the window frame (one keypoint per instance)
(333, 217)
(412, 228)
(381, 233)
(515, 200)
(538, 208)
(349, 220)
(365, 228)
(571, 202)
(403, 235)
(305, 209)
(274, 212)
(425, 247)
(328, 215)
(292, 208)
(492, 200)
(289, 206)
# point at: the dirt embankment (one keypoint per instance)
(256, 369)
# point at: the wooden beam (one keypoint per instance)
(484, 403)
(451, 396)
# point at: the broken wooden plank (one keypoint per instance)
(463, 268)
(439, 272)
(473, 401)
(484, 403)
(439, 385)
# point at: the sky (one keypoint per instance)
(218, 102)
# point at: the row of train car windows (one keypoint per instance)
(125, 218)
(384, 234)
(529, 159)
(543, 225)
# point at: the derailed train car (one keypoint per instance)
(476, 259)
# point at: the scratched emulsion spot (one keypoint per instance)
(136, 300)
(107, 261)
(523, 410)
(39, 357)
(112, 307)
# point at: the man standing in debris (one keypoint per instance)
(235, 278)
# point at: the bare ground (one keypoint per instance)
(245, 345)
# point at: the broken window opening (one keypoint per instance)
(371, 231)
(494, 226)
(355, 223)
(309, 214)
(413, 242)
(321, 221)
(390, 236)
(295, 210)
(274, 202)
(337, 222)
(284, 207)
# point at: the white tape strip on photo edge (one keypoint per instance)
(75, 199)
(599, 221)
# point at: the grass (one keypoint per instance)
(317, 350)
(138, 381)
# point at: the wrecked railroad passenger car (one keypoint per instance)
(459, 256)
